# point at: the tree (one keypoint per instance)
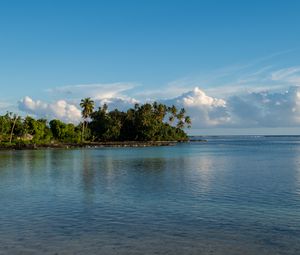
(144, 122)
(87, 105)
(99, 122)
(188, 121)
(160, 111)
(180, 117)
(15, 118)
(38, 129)
(64, 132)
(173, 113)
(5, 126)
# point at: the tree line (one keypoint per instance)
(143, 122)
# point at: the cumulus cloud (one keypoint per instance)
(204, 110)
(66, 111)
(244, 110)
(255, 109)
(58, 110)
(266, 109)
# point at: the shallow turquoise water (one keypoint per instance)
(232, 195)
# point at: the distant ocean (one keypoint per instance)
(229, 195)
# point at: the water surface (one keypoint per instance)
(232, 195)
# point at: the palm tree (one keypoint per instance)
(181, 113)
(159, 110)
(180, 117)
(105, 108)
(87, 105)
(183, 120)
(13, 127)
(188, 121)
(173, 111)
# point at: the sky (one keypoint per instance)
(234, 65)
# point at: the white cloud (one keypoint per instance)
(58, 110)
(249, 96)
(113, 94)
(197, 97)
(4, 105)
(244, 110)
(7, 106)
(96, 91)
(289, 75)
(204, 110)
(66, 111)
(121, 104)
(247, 110)
(266, 109)
(285, 73)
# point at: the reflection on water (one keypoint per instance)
(229, 196)
(296, 161)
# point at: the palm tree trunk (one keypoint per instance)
(12, 129)
(82, 134)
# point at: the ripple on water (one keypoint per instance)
(223, 197)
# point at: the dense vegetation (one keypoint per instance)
(147, 122)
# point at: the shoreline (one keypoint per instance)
(88, 145)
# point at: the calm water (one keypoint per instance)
(234, 195)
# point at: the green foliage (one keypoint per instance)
(64, 132)
(146, 122)
(10, 125)
(87, 106)
(142, 123)
(5, 127)
(38, 129)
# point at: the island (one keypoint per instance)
(149, 124)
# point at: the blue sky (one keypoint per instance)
(146, 50)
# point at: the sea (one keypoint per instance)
(228, 195)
